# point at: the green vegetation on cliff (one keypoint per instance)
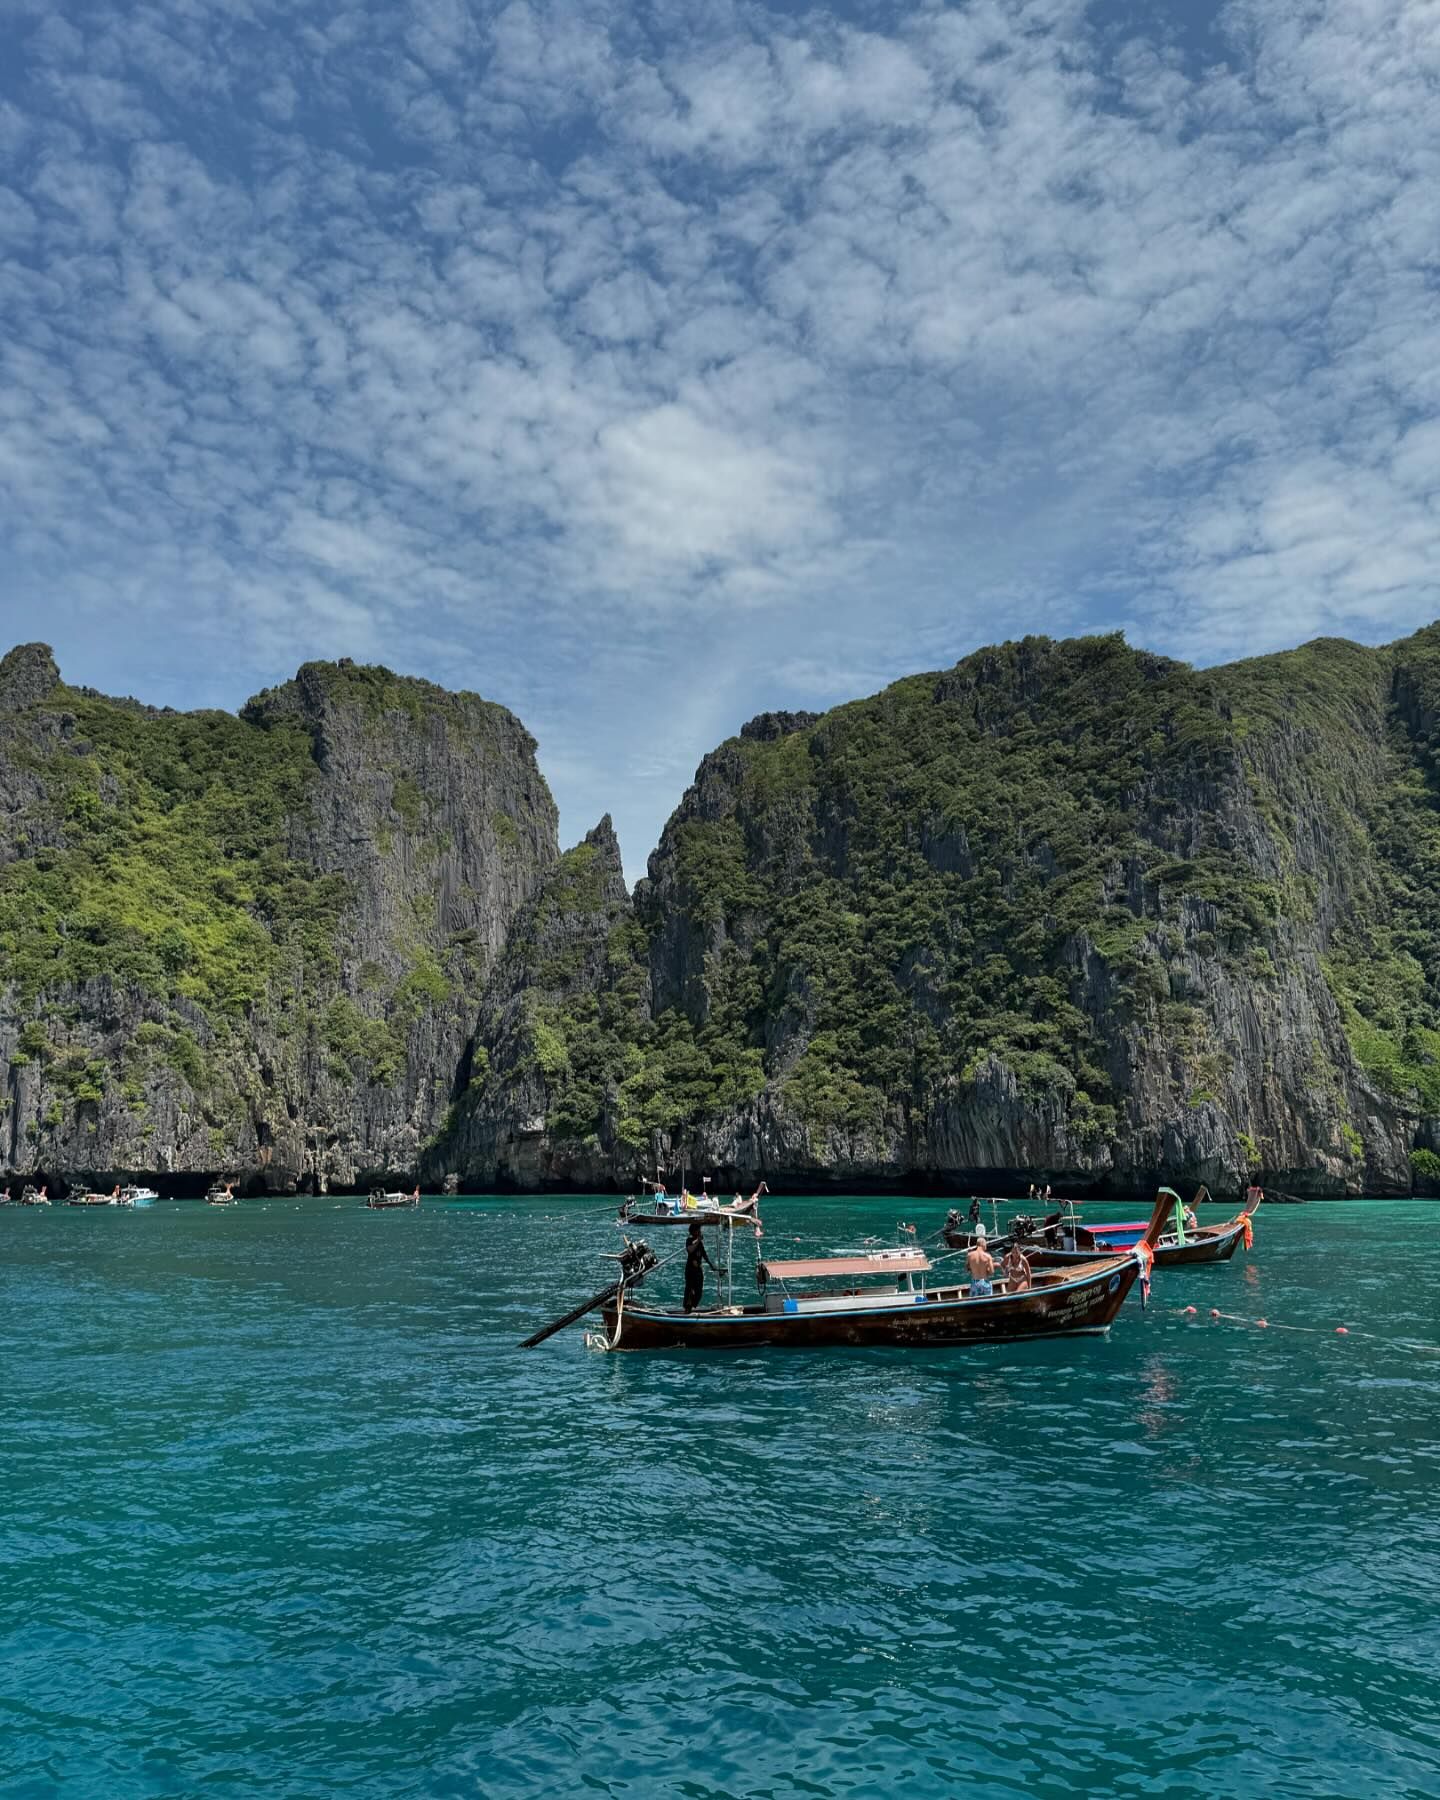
(1064, 902)
(911, 885)
(161, 860)
(1024, 861)
(262, 929)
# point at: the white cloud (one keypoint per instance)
(560, 345)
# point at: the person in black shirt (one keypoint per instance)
(696, 1256)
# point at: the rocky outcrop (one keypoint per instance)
(1121, 921)
(356, 845)
(541, 1092)
(1065, 910)
(28, 675)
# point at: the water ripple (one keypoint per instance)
(286, 1512)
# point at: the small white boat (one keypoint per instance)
(138, 1196)
(219, 1194)
(380, 1201)
(113, 1198)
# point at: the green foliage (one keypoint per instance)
(164, 866)
(173, 875)
(909, 888)
(925, 880)
(548, 1043)
(1425, 1165)
(1384, 962)
(1352, 1141)
(408, 801)
(80, 1076)
(360, 1045)
(826, 1093)
(423, 983)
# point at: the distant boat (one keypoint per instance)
(659, 1208)
(33, 1197)
(380, 1201)
(218, 1194)
(138, 1196)
(113, 1198)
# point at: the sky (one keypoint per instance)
(644, 367)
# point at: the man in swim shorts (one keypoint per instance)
(981, 1265)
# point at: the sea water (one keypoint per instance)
(285, 1512)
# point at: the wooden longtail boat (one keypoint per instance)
(380, 1201)
(1070, 1243)
(1060, 1303)
(112, 1199)
(684, 1208)
(664, 1210)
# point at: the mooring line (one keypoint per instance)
(1191, 1312)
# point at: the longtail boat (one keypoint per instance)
(1063, 1242)
(691, 1209)
(659, 1208)
(115, 1198)
(904, 1313)
(380, 1201)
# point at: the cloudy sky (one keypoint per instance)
(646, 366)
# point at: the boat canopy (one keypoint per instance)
(872, 1262)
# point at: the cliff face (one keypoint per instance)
(1064, 908)
(559, 1021)
(252, 945)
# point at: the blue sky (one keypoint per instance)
(644, 367)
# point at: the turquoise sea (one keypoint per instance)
(284, 1512)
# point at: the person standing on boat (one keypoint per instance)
(1017, 1269)
(981, 1265)
(696, 1256)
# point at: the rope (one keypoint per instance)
(1314, 1330)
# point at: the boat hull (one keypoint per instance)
(1087, 1302)
(696, 1215)
(1212, 1244)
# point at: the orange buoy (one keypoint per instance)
(1189, 1312)
(1214, 1312)
(1342, 1331)
(1262, 1323)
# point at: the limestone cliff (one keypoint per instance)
(1065, 908)
(563, 1012)
(251, 945)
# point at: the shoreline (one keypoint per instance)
(1008, 1186)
